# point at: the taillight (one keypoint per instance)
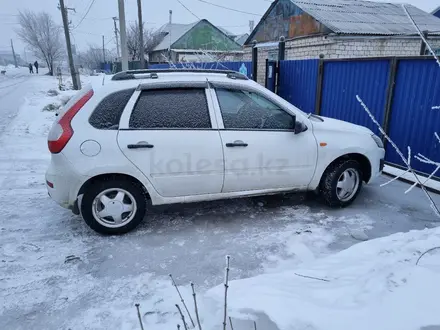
(62, 131)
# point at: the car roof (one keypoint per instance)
(153, 73)
(182, 76)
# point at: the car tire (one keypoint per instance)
(341, 183)
(113, 206)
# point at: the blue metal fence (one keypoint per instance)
(344, 80)
(159, 66)
(413, 122)
(235, 66)
(297, 83)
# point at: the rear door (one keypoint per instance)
(171, 138)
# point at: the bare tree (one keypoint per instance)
(91, 58)
(151, 40)
(42, 35)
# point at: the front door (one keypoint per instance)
(260, 146)
(170, 138)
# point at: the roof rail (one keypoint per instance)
(153, 73)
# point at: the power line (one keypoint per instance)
(112, 39)
(135, 21)
(82, 19)
(227, 8)
(98, 19)
(89, 33)
(188, 10)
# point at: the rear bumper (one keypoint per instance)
(61, 178)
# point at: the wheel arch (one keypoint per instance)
(364, 162)
(112, 176)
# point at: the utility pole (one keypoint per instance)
(13, 54)
(116, 37)
(123, 33)
(251, 26)
(141, 35)
(76, 85)
(103, 48)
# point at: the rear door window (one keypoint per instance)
(171, 108)
(108, 112)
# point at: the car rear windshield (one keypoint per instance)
(109, 111)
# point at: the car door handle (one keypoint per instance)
(140, 145)
(236, 144)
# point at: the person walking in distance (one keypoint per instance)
(31, 70)
(36, 66)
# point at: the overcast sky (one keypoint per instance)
(98, 21)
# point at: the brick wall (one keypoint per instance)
(247, 56)
(341, 47)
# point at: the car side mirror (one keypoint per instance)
(300, 127)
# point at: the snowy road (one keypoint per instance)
(55, 273)
(14, 86)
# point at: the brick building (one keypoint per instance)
(339, 29)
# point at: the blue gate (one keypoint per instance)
(413, 122)
(343, 80)
(297, 83)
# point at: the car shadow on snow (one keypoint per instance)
(224, 211)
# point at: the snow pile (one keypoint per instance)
(372, 285)
(11, 70)
(9, 67)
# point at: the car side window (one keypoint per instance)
(171, 108)
(248, 110)
(109, 111)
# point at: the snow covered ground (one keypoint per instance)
(55, 273)
(372, 285)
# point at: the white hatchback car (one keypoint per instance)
(180, 136)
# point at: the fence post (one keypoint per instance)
(281, 56)
(266, 78)
(254, 60)
(319, 86)
(390, 95)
